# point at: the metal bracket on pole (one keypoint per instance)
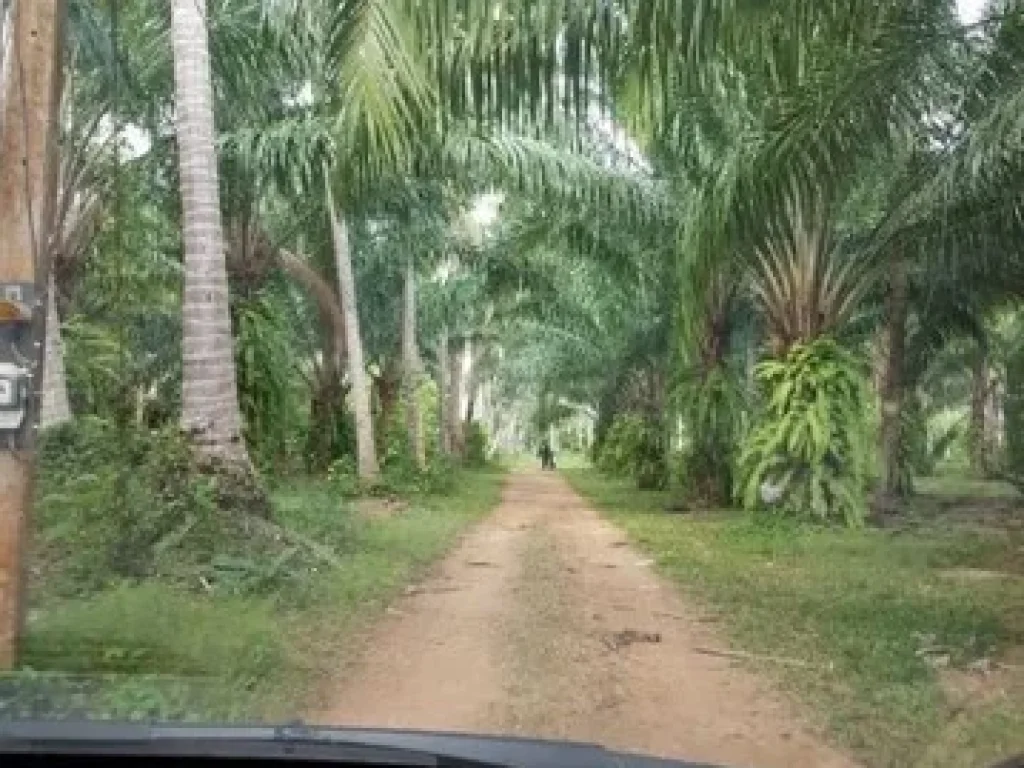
(16, 366)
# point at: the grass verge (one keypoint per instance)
(150, 649)
(895, 626)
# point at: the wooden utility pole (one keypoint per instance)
(29, 106)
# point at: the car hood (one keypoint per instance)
(299, 742)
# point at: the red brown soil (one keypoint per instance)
(544, 622)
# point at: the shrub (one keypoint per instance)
(619, 447)
(124, 503)
(343, 477)
(806, 454)
(477, 444)
(405, 479)
(398, 477)
(634, 446)
(714, 409)
(332, 432)
(272, 402)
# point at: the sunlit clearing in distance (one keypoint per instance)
(486, 208)
(970, 10)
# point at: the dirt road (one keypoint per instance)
(544, 622)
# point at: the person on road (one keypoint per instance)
(547, 456)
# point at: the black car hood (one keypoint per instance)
(298, 742)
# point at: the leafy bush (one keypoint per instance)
(914, 456)
(398, 477)
(122, 503)
(331, 434)
(439, 478)
(477, 443)
(714, 409)
(344, 477)
(634, 446)
(651, 469)
(274, 409)
(618, 450)
(807, 453)
(394, 439)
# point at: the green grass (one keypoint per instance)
(859, 606)
(962, 484)
(150, 649)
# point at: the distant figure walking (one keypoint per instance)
(547, 456)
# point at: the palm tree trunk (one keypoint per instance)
(210, 411)
(411, 369)
(895, 481)
(1013, 412)
(444, 433)
(55, 408)
(472, 383)
(332, 319)
(366, 451)
(455, 386)
(327, 399)
(978, 435)
(994, 423)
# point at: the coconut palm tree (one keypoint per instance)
(210, 410)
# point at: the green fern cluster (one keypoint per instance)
(807, 452)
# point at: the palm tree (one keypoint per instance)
(82, 186)
(956, 229)
(210, 410)
(821, 100)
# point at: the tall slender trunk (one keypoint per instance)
(895, 478)
(455, 386)
(444, 433)
(411, 369)
(55, 408)
(472, 383)
(29, 161)
(366, 451)
(332, 319)
(710, 459)
(210, 410)
(994, 421)
(328, 393)
(1013, 412)
(978, 433)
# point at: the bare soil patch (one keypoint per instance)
(543, 622)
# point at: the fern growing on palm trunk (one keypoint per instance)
(807, 452)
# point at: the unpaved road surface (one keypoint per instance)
(544, 622)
